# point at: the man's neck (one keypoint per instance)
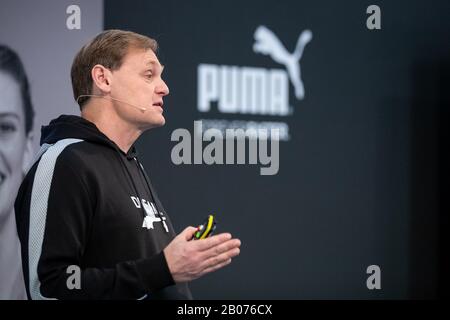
(109, 123)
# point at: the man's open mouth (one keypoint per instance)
(159, 104)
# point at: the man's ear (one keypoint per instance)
(102, 78)
(28, 154)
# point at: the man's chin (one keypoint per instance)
(161, 122)
(156, 123)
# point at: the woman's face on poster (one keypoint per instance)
(15, 143)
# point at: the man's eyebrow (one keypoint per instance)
(153, 62)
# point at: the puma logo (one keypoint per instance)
(267, 43)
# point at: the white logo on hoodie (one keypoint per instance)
(150, 210)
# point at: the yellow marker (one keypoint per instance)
(206, 229)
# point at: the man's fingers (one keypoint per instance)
(188, 233)
(221, 248)
(216, 267)
(216, 260)
(205, 244)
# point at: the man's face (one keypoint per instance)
(138, 82)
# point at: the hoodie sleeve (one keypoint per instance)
(60, 211)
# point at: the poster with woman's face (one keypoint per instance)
(16, 115)
(37, 46)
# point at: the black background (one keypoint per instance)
(363, 179)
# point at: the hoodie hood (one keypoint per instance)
(71, 126)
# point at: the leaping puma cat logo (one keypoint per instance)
(267, 43)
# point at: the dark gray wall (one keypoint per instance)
(358, 180)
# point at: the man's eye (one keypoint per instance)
(149, 75)
(7, 128)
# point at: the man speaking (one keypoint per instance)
(87, 205)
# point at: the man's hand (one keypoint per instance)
(189, 260)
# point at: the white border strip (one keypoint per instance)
(38, 211)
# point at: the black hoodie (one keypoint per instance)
(90, 223)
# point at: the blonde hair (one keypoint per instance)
(107, 49)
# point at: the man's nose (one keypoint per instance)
(163, 89)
